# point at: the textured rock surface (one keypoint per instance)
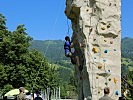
(97, 40)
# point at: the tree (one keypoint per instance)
(127, 76)
(20, 66)
(2, 22)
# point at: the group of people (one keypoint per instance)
(22, 96)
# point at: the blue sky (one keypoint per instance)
(45, 19)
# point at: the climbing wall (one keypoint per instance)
(97, 40)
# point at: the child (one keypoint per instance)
(67, 47)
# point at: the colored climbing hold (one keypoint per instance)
(98, 92)
(94, 39)
(115, 80)
(95, 50)
(108, 70)
(100, 66)
(109, 79)
(106, 83)
(104, 60)
(90, 30)
(95, 58)
(111, 42)
(116, 92)
(97, 77)
(105, 40)
(103, 28)
(114, 49)
(105, 51)
(108, 26)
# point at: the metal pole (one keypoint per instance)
(59, 93)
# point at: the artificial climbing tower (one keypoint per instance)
(97, 44)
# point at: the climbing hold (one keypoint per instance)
(104, 60)
(106, 83)
(94, 39)
(116, 92)
(90, 30)
(108, 70)
(105, 40)
(95, 58)
(105, 51)
(103, 23)
(95, 50)
(108, 26)
(98, 92)
(114, 49)
(100, 66)
(109, 79)
(111, 42)
(103, 28)
(96, 77)
(115, 80)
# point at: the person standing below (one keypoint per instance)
(106, 94)
(21, 95)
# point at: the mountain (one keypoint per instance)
(127, 47)
(53, 50)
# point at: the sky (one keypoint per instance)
(45, 19)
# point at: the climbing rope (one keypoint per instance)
(55, 22)
(68, 28)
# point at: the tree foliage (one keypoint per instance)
(20, 66)
(127, 76)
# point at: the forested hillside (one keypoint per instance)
(53, 50)
(127, 48)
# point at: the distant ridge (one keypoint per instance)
(55, 52)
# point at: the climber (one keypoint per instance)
(75, 58)
(67, 46)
